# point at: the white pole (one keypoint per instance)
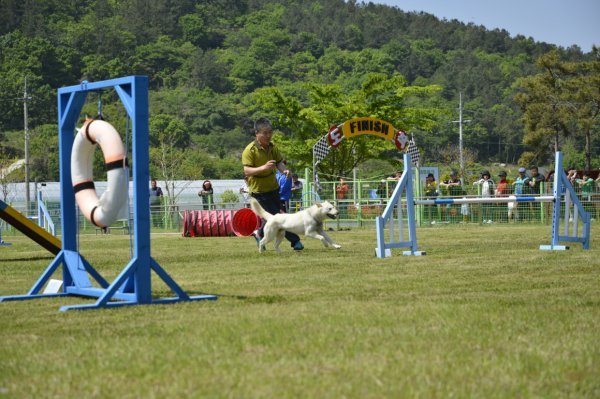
(460, 135)
(460, 122)
(485, 200)
(26, 127)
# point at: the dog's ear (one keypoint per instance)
(318, 204)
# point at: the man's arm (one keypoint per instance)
(253, 171)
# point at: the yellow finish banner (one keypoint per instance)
(377, 127)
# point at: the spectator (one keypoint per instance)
(341, 193)
(296, 191)
(382, 190)
(519, 184)
(431, 192)
(535, 186)
(285, 190)
(453, 184)
(550, 180)
(396, 176)
(587, 186)
(454, 188)
(261, 158)
(245, 193)
(206, 193)
(502, 190)
(572, 174)
(535, 181)
(430, 186)
(341, 190)
(488, 189)
(156, 195)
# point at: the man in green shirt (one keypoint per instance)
(261, 158)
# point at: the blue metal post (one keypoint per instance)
(133, 285)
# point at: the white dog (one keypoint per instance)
(308, 222)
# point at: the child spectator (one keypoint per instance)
(488, 188)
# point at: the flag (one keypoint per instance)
(321, 149)
(317, 186)
(413, 151)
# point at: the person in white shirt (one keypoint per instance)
(488, 187)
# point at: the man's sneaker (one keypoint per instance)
(298, 246)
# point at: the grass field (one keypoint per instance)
(484, 314)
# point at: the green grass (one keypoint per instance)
(484, 314)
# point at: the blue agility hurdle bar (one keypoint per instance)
(573, 213)
(133, 286)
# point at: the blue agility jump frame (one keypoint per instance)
(563, 193)
(133, 286)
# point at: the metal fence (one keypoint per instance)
(363, 202)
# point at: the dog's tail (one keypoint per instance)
(259, 209)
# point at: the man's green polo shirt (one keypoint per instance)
(254, 156)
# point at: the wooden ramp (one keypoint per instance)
(29, 228)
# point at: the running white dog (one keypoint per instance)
(308, 222)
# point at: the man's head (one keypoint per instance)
(522, 171)
(153, 183)
(534, 170)
(294, 177)
(263, 129)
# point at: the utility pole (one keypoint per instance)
(460, 122)
(26, 98)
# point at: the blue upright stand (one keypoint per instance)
(573, 214)
(396, 225)
(133, 285)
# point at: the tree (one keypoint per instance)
(584, 93)
(10, 173)
(169, 154)
(380, 96)
(44, 153)
(559, 102)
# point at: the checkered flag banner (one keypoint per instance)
(321, 149)
(317, 187)
(413, 151)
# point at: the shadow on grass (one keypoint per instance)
(28, 259)
(248, 299)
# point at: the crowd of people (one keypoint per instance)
(268, 180)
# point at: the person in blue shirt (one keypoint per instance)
(520, 184)
(285, 190)
(521, 181)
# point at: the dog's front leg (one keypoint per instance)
(314, 234)
(329, 240)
